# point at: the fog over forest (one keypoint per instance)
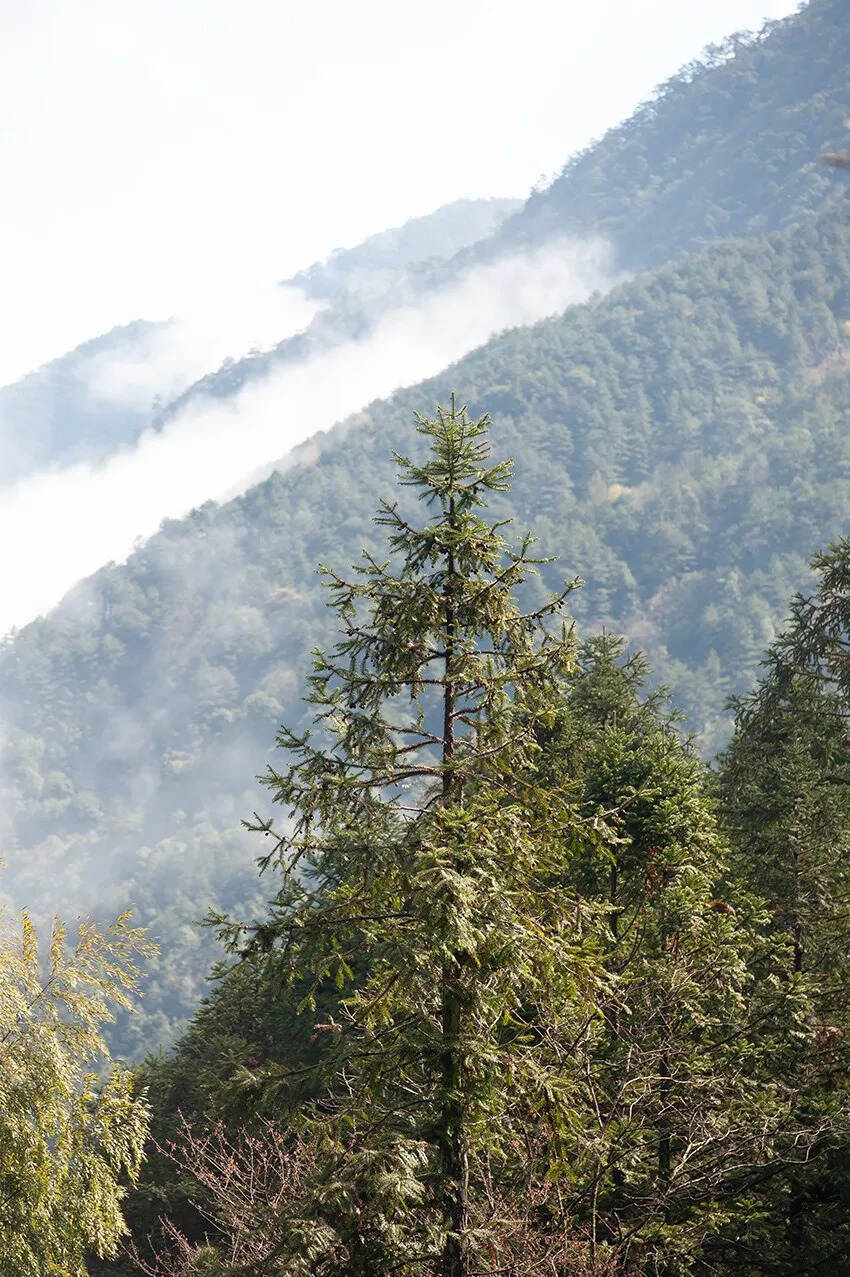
(211, 447)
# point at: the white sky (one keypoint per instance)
(153, 152)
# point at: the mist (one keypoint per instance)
(65, 524)
(227, 321)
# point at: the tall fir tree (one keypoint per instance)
(426, 856)
(548, 1026)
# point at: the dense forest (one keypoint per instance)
(544, 970)
(729, 146)
(533, 991)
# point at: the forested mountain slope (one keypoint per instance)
(356, 287)
(681, 443)
(53, 416)
(382, 260)
(730, 145)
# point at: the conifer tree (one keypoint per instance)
(681, 1114)
(786, 773)
(786, 789)
(643, 1105)
(426, 857)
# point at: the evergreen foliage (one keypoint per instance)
(425, 850)
(687, 1104)
(541, 1020)
(531, 993)
(785, 789)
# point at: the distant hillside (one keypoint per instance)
(71, 409)
(54, 417)
(381, 261)
(730, 145)
(392, 269)
(681, 443)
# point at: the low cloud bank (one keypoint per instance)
(60, 526)
(94, 400)
(167, 359)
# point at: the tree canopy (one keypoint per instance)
(520, 1002)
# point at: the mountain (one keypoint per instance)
(382, 261)
(730, 145)
(680, 442)
(357, 287)
(54, 416)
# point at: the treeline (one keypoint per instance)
(727, 146)
(535, 991)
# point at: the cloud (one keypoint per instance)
(227, 322)
(60, 526)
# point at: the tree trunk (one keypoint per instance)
(796, 1213)
(453, 1156)
(455, 1167)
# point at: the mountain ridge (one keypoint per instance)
(647, 184)
(730, 145)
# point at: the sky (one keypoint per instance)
(162, 154)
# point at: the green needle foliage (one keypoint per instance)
(427, 858)
(511, 1010)
(520, 1015)
(682, 1108)
(787, 780)
(786, 789)
(68, 1138)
